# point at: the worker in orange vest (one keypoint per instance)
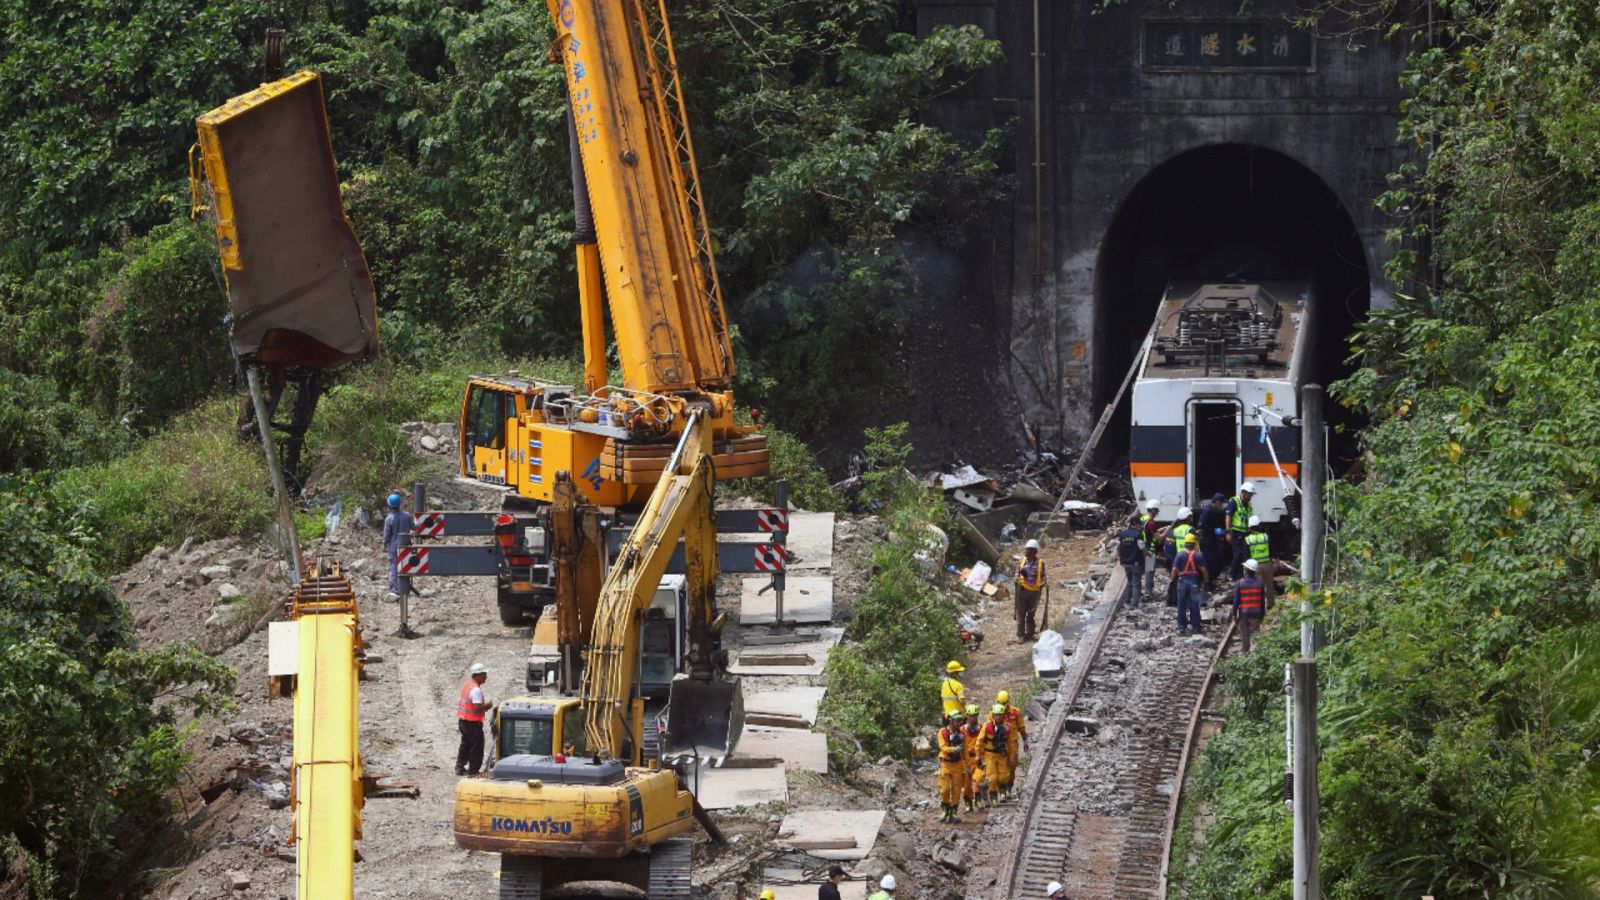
(470, 709)
(972, 748)
(996, 733)
(1016, 736)
(1249, 603)
(952, 768)
(1031, 579)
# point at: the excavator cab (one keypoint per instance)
(538, 726)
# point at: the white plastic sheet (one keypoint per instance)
(1049, 654)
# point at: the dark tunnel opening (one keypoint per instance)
(1219, 212)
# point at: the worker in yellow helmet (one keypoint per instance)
(768, 895)
(994, 752)
(1016, 736)
(952, 692)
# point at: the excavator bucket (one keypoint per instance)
(704, 720)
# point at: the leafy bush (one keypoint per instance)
(38, 430)
(79, 797)
(194, 480)
(883, 683)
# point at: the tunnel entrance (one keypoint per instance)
(1214, 213)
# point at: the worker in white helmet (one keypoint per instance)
(1031, 581)
(1150, 526)
(471, 706)
(886, 889)
(1238, 513)
(1055, 891)
(1171, 543)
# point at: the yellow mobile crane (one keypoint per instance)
(602, 819)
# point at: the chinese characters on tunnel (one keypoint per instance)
(1211, 44)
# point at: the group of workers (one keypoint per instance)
(977, 754)
(1227, 534)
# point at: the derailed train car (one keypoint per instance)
(1217, 395)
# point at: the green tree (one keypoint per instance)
(93, 746)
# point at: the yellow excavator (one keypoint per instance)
(555, 794)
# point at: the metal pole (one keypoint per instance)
(1313, 463)
(780, 538)
(1288, 733)
(1307, 803)
(405, 592)
(281, 492)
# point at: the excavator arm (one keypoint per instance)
(680, 507)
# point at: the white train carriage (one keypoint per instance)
(1221, 362)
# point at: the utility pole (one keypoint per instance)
(1313, 463)
(1307, 802)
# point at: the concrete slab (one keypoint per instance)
(798, 701)
(806, 658)
(832, 825)
(806, 750)
(806, 598)
(810, 538)
(728, 788)
(850, 890)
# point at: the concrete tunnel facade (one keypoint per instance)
(1187, 142)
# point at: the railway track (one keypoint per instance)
(1100, 803)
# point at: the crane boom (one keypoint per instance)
(656, 251)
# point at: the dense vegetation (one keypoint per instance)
(1461, 687)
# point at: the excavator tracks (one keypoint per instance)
(521, 877)
(671, 870)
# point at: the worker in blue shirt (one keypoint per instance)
(1130, 552)
(1211, 526)
(1189, 569)
(396, 524)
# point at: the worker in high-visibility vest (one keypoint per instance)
(972, 749)
(996, 735)
(1248, 604)
(1238, 511)
(1016, 736)
(952, 693)
(1031, 580)
(1259, 544)
(470, 708)
(952, 768)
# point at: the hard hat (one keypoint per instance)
(888, 883)
(1251, 564)
(1254, 521)
(1152, 503)
(479, 669)
(1185, 512)
(768, 895)
(972, 709)
(1031, 545)
(999, 709)
(1189, 540)
(1003, 697)
(395, 500)
(1248, 487)
(954, 666)
(1053, 888)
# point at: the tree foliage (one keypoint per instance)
(1462, 681)
(93, 745)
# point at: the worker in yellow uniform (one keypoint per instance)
(1016, 736)
(952, 692)
(972, 748)
(996, 734)
(952, 768)
(769, 894)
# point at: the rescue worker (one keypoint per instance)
(1238, 512)
(1151, 530)
(952, 768)
(396, 525)
(952, 693)
(996, 738)
(1260, 546)
(1130, 552)
(768, 895)
(1189, 571)
(886, 889)
(1212, 526)
(1249, 605)
(1016, 737)
(1055, 891)
(830, 888)
(1182, 526)
(980, 785)
(972, 753)
(1031, 579)
(470, 707)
